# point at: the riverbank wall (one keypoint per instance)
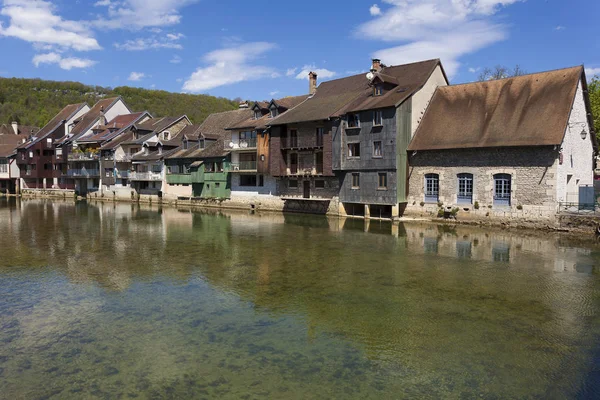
(517, 219)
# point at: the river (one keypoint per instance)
(103, 300)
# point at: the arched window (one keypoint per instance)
(465, 189)
(432, 188)
(502, 189)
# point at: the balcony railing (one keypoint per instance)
(145, 176)
(316, 169)
(83, 156)
(244, 166)
(122, 174)
(83, 172)
(242, 144)
(301, 142)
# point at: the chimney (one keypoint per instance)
(243, 104)
(102, 119)
(376, 65)
(15, 126)
(312, 82)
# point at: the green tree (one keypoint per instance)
(500, 72)
(594, 93)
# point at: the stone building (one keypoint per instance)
(515, 147)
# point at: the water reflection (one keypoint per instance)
(203, 301)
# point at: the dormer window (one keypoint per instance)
(159, 149)
(378, 90)
(166, 135)
(257, 114)
(146, 151)
(185, 144)
(353, 121)
(274, 112)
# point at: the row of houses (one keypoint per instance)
(396, 140)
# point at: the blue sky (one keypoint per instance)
(259, 51)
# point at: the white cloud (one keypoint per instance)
(136, 76)
(37, 23)
(591, 72)
(169, 41)
(67, 63)
(559, 28)
(291, 71)
(425, 29)
(175, 60)
(322, 73)
(102, 3)
(273, 93)
(375, 10)
(474, 70)
(138, 14)
(230, 65)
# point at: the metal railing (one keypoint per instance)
(145, 176)
(122, 174)
(578, 208)
(244, 166)
(83, 156)
(242, 144)
(83, 172)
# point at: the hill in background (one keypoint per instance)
(36, 101)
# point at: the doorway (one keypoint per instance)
(307, 189)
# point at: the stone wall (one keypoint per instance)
(532, 170)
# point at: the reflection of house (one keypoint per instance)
(10, 137)
(40, 163)
(520, 144)
(250, 149)
(197, 168)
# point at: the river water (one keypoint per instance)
(120, 301)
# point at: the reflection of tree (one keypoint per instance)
(434, 313)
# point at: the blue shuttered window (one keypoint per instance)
(465, 189)
(502, 189)
(432, 188)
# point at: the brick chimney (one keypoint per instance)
(15, 126)
(376, 65)
(312, 82)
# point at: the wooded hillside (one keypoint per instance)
(35, 101)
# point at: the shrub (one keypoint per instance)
(519, 207)
(440, 204)
(440, 213)
(476, 205)
(455, 211)
(422, 203)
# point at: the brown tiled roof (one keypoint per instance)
(353, 93)
(528, 110)
(64, 114)
(215, 125)
(114, 127)
(216, 149)
(290, 101)
(9, 143)
(190, 152)
(88, 119)
(7, 129)
(283, 104)
(127, 136)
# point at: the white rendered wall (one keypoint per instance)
(269, 188)
(421, 99)
(578, 153)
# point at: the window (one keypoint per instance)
(219, 166)
(382, 181)
(274, 112)
(465, 188)
(377, 118)
(185, 144)
(319, 158)
(209, 167)
(31, 154)
(257, 114)
(320, 132)
(377, 149)
(166, 135)
(293, 138)
(59, 152)
(355, 180)
(49, 141)
(432, 188)
(502, 189)
(247, 180)
(217, 184)
(353, 149)
(293, 184)
(108, 172)
(378, 90)
(156, 168)
(320, 184)
(353, 121)
(261, 180)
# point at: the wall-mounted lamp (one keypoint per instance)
(583, 134)
(262, 157)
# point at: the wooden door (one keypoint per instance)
(307, 189)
